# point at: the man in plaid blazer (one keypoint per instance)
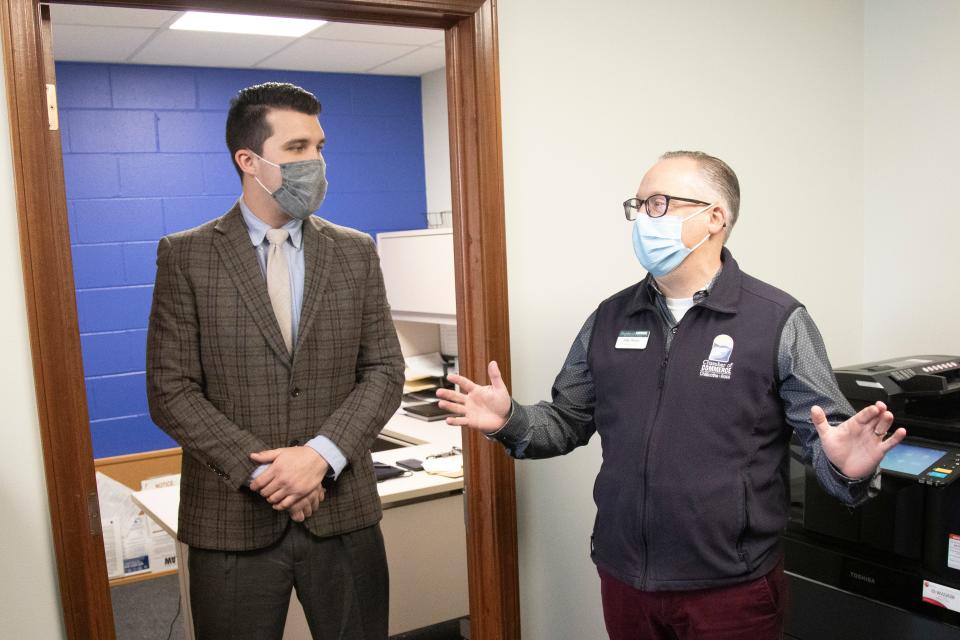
(276, 405)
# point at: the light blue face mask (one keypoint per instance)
(658, 242)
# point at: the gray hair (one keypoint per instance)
(720, 175)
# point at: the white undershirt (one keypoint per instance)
(679, 306)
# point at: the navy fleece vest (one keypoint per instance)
(692, 492)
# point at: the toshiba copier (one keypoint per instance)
(902, 547)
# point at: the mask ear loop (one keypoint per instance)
(697, 246)
(257, 178)
(263, 187)
(694, 215)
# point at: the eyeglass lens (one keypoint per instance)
(654, 206)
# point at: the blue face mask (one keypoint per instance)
(658, 242)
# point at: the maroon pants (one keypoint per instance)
(749, 611)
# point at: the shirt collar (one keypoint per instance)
(698, 296)
(257, 228)
(720, 294)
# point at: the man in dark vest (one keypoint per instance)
(695, 378)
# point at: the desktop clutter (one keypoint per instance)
(425, 374)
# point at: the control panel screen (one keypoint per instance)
(907, 458)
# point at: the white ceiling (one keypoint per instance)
(141, 36)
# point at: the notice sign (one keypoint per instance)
(941, 596)
(953, 551)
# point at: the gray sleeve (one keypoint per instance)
(555, 428)
(806, 380)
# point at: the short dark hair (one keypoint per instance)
(720, 175)
(247, 126)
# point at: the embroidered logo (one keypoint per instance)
(718, 364)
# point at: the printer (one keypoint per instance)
(903, 546)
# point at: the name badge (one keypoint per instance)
(632, 340)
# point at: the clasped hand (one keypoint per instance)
(292, 481)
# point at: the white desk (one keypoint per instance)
(429, 438)
(403, 427)
(428, 565)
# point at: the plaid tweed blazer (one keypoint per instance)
(221, 383)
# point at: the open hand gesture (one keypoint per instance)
(857, 445)
(485, 408)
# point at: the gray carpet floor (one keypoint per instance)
(146, 610)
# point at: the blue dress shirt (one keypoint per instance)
(293, 251)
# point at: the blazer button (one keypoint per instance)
(296, 392)
(294, 443)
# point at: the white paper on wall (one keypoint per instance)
(124, 528)
(161, 546)
(112, 547)
(159, 482)
(116, 503)
(135, 558)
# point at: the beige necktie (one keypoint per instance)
(278, 284)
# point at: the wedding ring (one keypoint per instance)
(877, 433)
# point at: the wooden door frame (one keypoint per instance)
(473, 98)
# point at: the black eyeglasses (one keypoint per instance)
(655, 206)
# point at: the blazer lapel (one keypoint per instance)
(318, 249)
(240, 259)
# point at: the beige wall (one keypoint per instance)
(591, 94)
(911, 221)
(29, 597)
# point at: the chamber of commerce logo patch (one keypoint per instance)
(718, 365)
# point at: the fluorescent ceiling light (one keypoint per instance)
(236, 23)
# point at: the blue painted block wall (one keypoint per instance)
(144, 156)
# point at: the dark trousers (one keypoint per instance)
(750, 611)
(340, 581)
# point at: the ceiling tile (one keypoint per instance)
(79, 43)
(109, 16)
(377, 33)
(417, 63)
(108, 34)
(308, 54)
(193, 48)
